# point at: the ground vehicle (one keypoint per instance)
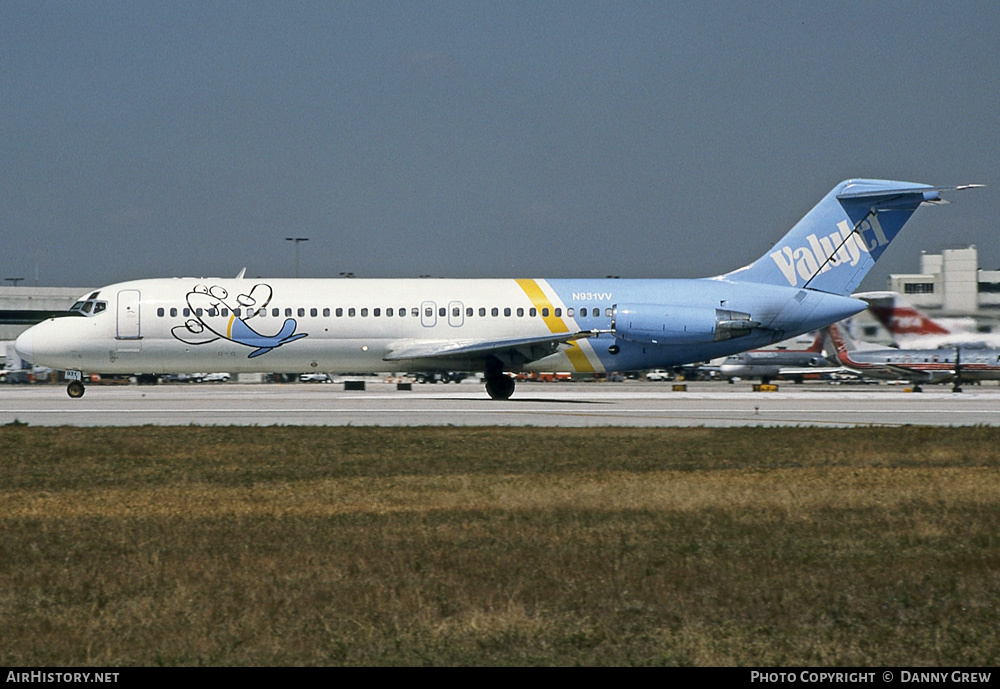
(314, 378)
(219, 377)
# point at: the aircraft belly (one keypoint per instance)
(553, 363)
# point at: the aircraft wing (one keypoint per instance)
(808, 370)
(940, 376)
(514, 351)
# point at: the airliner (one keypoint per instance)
(784, 360)
(910, 327)
(496, 326)
(935, 366)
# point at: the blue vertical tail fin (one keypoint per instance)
(835, 245)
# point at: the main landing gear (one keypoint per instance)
(499, 385)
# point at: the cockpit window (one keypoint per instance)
(89, 307)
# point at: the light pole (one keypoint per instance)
(13, 281)
(297, 240)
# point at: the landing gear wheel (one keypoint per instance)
(500, 387)
(75, 389)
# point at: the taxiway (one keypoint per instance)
(635, 404)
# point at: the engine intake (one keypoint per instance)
(668, 324)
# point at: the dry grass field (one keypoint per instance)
(437, 546)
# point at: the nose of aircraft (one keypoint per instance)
(24, 345)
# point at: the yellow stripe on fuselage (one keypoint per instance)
(579, 359)
(543, 305)
(576, 356)
(229, 327)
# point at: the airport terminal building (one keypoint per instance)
(952, 284)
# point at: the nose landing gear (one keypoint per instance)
(75, 388)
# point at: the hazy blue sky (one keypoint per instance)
(472, 139)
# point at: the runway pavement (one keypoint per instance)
(632, 403)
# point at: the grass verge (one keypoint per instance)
(371, 546)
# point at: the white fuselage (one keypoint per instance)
(353, 325)
(585, 326)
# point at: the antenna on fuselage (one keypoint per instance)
(853, 234)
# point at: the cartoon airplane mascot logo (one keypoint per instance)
(215, 317)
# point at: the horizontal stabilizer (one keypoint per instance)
(930, 193)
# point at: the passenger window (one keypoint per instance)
(364, 312)
(388, 312)
(482, 310)
(506, 311)
(350, 312)
(225, 312)
(326, 313)
(313, 312)
(520, 312)
(198, 312)
(414, 312)
(160, 312)
(532, 312)
(239, 312)
(456, 312)
(495, 311)
(275, 312)
(545, 312)
(187, 312)
(607, 312)
(569, 312)
(376, 312)
(288, 312)
(340, 312)
(428, 312)
(442, 312)
(173, 311)
(302, 312)
(558, 313)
